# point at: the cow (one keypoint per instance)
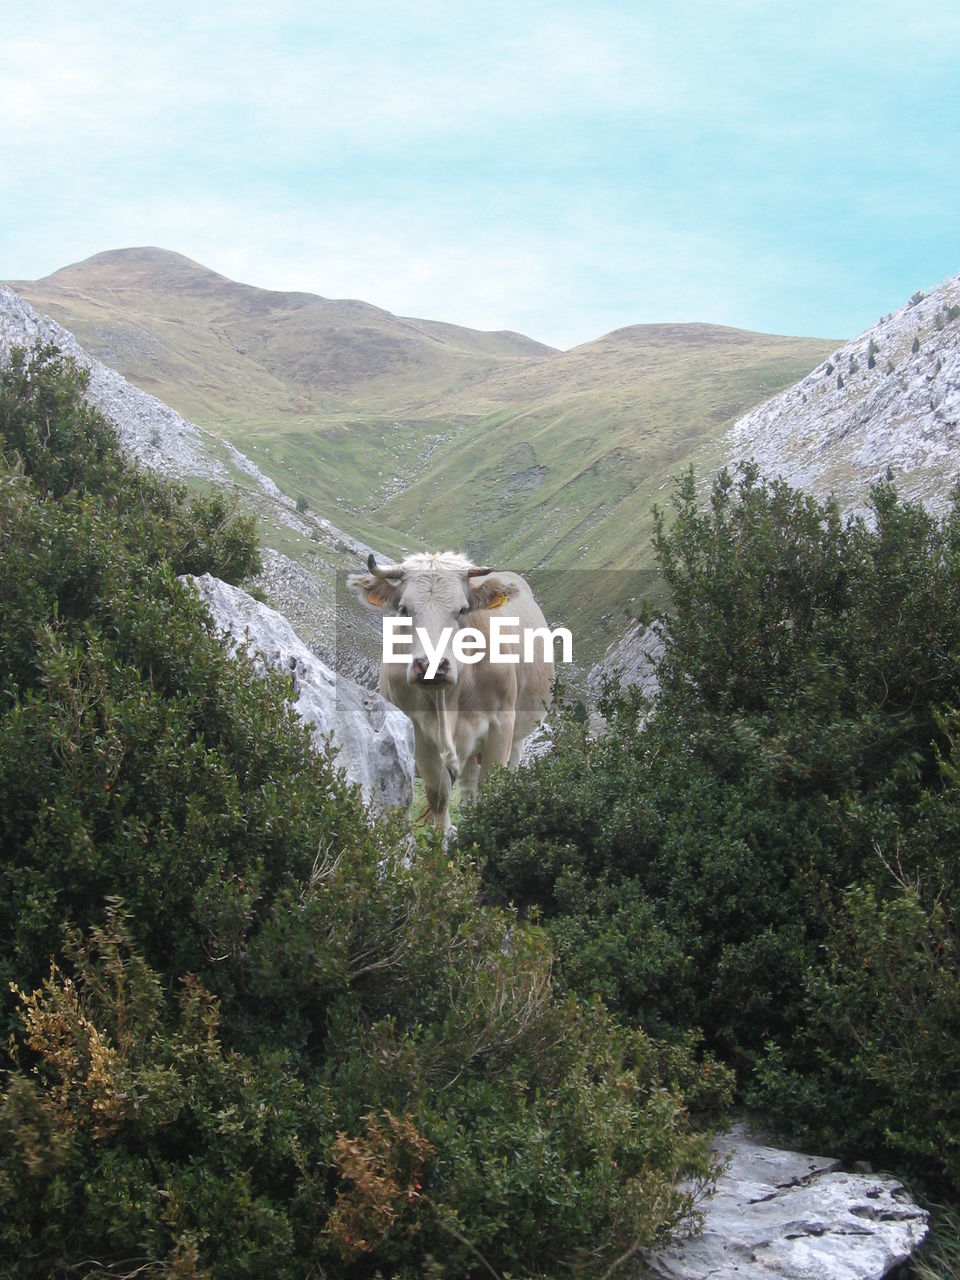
(467, 716)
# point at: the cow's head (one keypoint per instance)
(438, 592)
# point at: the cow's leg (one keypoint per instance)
(470, 778)
(437, 781)
(498, 744)
(448, 752)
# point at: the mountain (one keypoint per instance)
(169, 323)
(409, 432)
(890, 399)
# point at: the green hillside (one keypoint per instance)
(409, 432)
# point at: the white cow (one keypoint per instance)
(467, 716)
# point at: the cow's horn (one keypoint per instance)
(478, 573)
(385, 571)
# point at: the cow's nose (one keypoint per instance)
(420, 667)
(443, 666)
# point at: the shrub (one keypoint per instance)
(245, 1020)
(873, 1070)
(692, 865)
(873, 1067)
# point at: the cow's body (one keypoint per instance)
(470, 717)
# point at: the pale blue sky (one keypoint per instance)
(561, 168)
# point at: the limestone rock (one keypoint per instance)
(631, 660)
(780, 1215)
(148, 429)
(374, 739)
(875, 404)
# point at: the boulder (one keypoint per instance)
(374, 739)
(780, 1215)
(633, 659)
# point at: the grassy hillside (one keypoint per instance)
(221, 348)
(411, 432)
(564, 474)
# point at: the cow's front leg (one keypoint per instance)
(437, 782)
(448, 752)
(470, 778)
(498, 744)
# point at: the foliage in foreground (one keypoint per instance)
(248, 1033)
(771, 854)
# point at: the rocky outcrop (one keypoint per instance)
(779, 1215)
(149, 430)
(889, 399)
(631, 660)
(374, 739)
(160, 439)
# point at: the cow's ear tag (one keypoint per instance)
(374, 599)
(498, 600)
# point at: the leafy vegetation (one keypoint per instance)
(769, 855)
(249, 1028)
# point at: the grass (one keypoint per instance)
(939, 1259)
(418, 804)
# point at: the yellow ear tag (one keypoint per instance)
(499, 599)
(374, 599)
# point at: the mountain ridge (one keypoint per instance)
(410, 432)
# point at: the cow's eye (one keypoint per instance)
(403, 611)
(465, 609)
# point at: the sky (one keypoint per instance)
(562, 168)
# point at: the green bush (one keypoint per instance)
(248, 1028)
(874, 1067)
(692, 864)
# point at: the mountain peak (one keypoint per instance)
(131, 268)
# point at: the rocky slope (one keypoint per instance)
(890, 399)
(149, 429)
(300, 579)
(374, 740)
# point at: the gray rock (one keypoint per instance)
(781, 1215)
(634, 659)
(149, 430)
(374, 739)
(904, 413)
(631, 660)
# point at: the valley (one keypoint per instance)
(407, 433)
